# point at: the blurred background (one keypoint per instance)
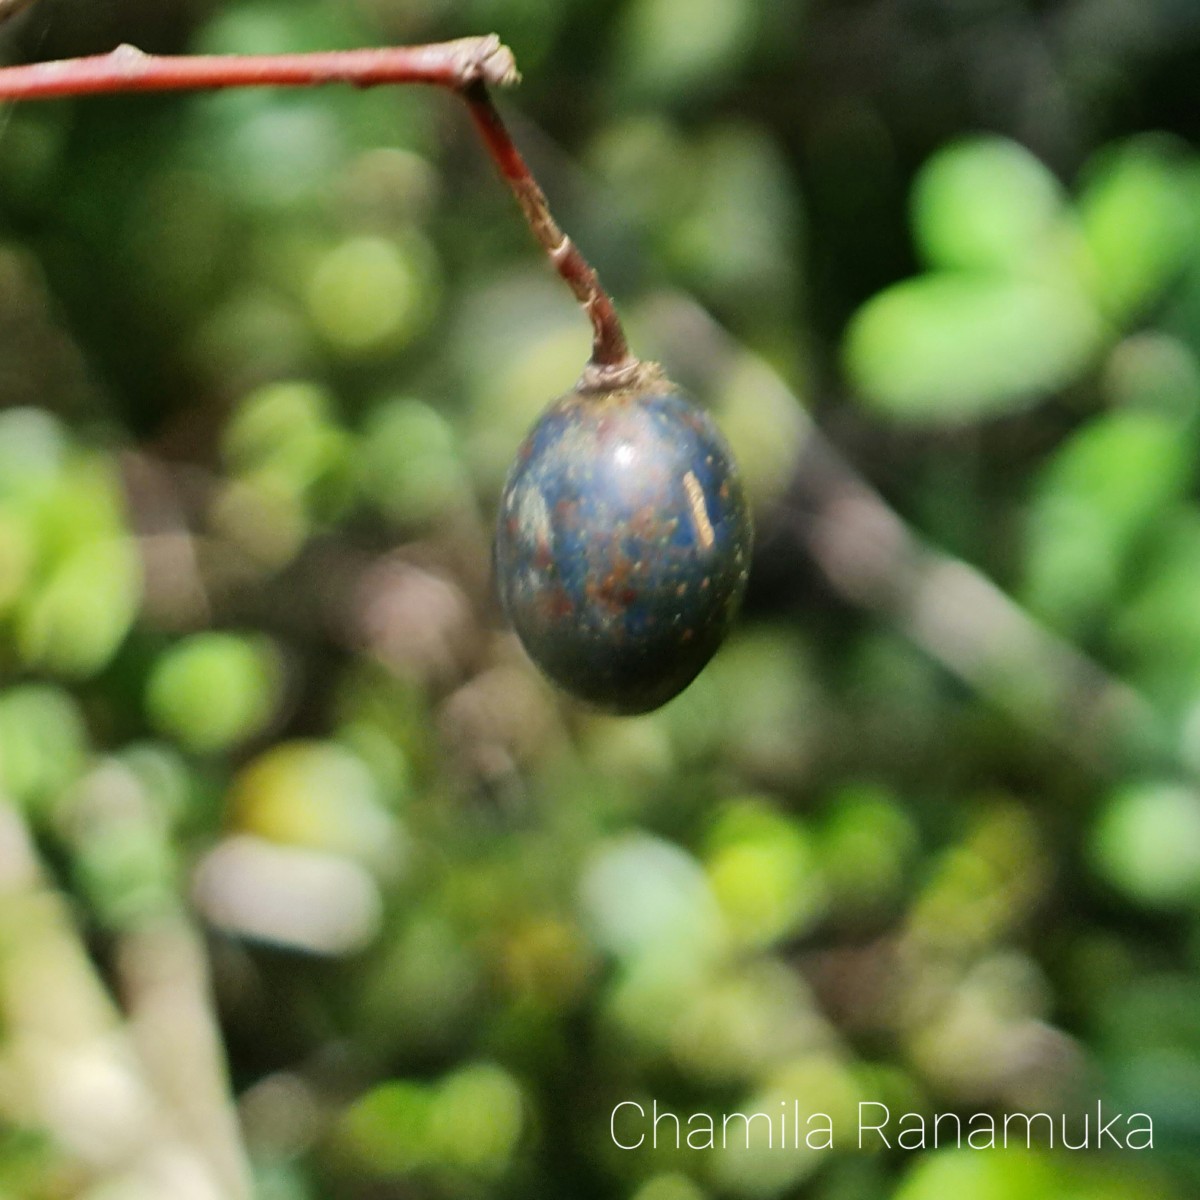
(309, 887)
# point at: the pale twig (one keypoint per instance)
(163, 969)
(70, 1066)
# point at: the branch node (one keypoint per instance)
(128, 55)
(497, 64)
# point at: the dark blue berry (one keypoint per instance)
(623, 543)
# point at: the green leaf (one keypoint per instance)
(986, 203)
(74, 624)
(1147, 844)
(213, 690)
(43, 743)
(411, 463)
(272, 425)
(388, 1128)
(672, 49)
(963, 347)
(1108, 484)
(1139, 221)
(316, 794)
(982, 1175)
(372, 295)
(736, 241)
(762, 868)
(476, 1120)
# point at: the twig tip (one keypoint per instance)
(484, 59)
(497, 63)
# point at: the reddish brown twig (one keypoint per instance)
(128, 69)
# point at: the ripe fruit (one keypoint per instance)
(623, 543)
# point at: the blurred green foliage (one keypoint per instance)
(264, 358)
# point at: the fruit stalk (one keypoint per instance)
(611, 364)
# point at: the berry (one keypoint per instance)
(623, 542)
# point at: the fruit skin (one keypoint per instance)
(623, 542)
